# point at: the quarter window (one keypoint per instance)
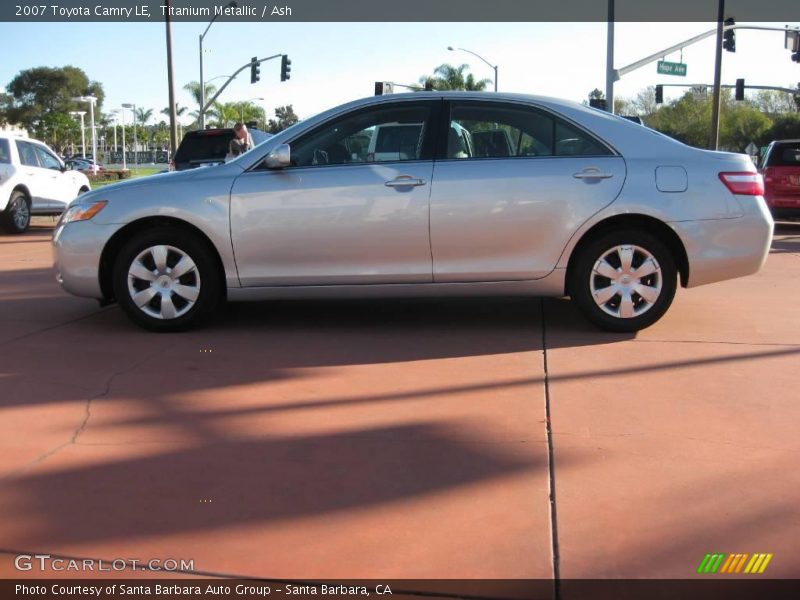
(480, 130)
(388, 134)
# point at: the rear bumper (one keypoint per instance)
(77, 248)
(721, 249)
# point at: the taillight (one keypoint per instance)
(743, 183)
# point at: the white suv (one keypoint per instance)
(33, 181)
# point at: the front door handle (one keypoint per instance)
(592, 173)
(405, 181)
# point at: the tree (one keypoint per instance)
(284, 118)
(179, 110)
(774, 102)
(193, 87)
(448, 77)
(143, 116)
(596, 94)
(226, 114)
(36, 95)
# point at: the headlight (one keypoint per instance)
(82, 212)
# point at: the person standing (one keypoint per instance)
(241, 142)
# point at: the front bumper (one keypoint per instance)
(720, 249)
(77, 248)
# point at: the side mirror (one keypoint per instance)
(279, 157)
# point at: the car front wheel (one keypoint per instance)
(17, 216)
(624, 281)
(166, 280)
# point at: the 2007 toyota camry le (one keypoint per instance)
(430, 193)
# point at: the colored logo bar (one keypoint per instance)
(719, 562)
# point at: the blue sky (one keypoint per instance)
(337, 62)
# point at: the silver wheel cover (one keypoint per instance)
(626, 281)
(164, 282)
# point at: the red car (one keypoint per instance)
(781, 169)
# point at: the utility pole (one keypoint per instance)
(610, 75)
(173, 116)
(713, 140)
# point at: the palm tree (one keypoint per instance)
(226, 114)
(179, 110)
(448, 77)
(193, 87)
(143, 116)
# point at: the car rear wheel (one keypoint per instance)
(624, 281)
(166, 280)
(16, 218)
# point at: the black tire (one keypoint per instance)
(645, 312)
(205, 278)
(16, 218)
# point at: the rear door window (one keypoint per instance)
(5, 152)
(496, 130)
(27, 154)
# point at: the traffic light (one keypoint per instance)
(659, 94)
(286, 68)
(739, 90)
(255, 69)
(729, 37)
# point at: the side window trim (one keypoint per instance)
(441, 151)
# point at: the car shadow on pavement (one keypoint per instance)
(265, 480)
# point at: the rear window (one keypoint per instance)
(197, 146)
(5, 153)
(784, 155)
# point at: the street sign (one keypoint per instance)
(700, 92)
(751, 149)
(671, 68)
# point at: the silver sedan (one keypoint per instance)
(453, 193)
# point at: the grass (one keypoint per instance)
(135, 173)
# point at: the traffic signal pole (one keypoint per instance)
(713, 138)
(246, 65)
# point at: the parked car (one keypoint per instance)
(82, 164)
(781, 169)
(589, 205)
(209, 147)
(33, 181)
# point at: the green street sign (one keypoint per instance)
(671, 68)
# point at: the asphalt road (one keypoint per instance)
(405, 439)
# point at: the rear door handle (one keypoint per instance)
(592, 173)
(405, 181)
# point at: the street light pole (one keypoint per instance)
(124, 161)
(91, 100)
(231, 4)
(494, 67)
(132, 106)
(80, 113)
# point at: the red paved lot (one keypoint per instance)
(402, 439)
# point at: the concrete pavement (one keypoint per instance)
(402, 439)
